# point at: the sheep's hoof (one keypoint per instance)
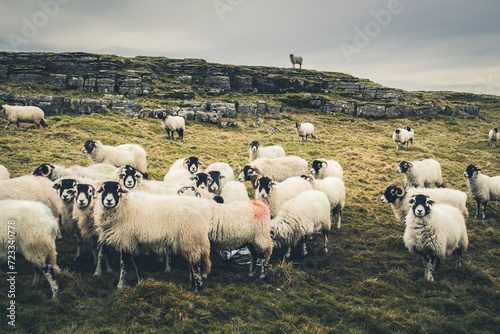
(98, 273)
(304, 253)
(251, 274)
(263, 275)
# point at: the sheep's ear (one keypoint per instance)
(221, 176)
(272, 234)
(138, 176)
(100, 189)
(430, 202)
(411, 201)
(57, 185)
(238, 169)
(272, 184)
(122, 190)
(121, 175)
(200, 163)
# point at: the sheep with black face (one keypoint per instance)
(423, 173)
(482, 188)
(127, 154)
(434, 231)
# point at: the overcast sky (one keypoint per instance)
(408, 44)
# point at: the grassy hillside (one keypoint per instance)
(367, 283)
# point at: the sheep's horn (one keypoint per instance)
(400, 191)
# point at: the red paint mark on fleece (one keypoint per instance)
(261, 211)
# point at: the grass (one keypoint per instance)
(367, 283)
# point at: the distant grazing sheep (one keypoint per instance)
(296, 60)
(24, 114)
(493, 135)
(173, 123)
(34, 229)
(257, 151)
(304, 130)
(422, 173)
(403, 136)
(482, 188)
(4, 173)
(127, 154)
(434, 232)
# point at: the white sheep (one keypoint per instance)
(257, 151)
(482, 188)
(278, 169)
(220, 173)
(66, 189)
(334, 189)
(403, 136)
(423, 173)
(493, 136)
(29, 228)
(321, 168)
(173, 123)
(31, 188)
(132, 179)
(98, 171)
(181, 171)
(274, 194)
(399, 196)
(83, 214)
(296, 60)
(174, 224)
(127, 154)
(434, 232)
(299, 218)
(304, 130)
(243, 223)
(4, 173)
(234, 191)
(24, 114)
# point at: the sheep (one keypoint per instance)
(421, 173)
(334, 189)
(98, 171)
(24, 114)
(275, 194)
(171, 124)
(201, 181)
(304, 130)
(181, 171)
(243, 223)
(301, 217)
(257, 151)
(296, 60)
(29, 228)
(132, 179)
(321, 168)
(434, 231)
(220, 173)
(127, 154)
(65, 188)
(83, 214)
(234, 191)
(191, 164)
(398, 197)
(174, 224)
(493, 136)
(278, 169)
(482, 188)
(31, 188)
(4, 173)
(403, 136)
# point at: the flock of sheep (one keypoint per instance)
(111, 204)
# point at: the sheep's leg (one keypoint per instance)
(78, 245)
(325, 233)
(304, 246)
(95, 252)
(287, 255)
(100, 254)
(168, 268)
(253, 266)
(138, 268)
(181, 133)
(195, 277)
(484, 210)
(458, 253)
(263, 272)
(9, 123)
(36, 276)
(340, 218)
(159, 257)
(122, 281)
(17, 123)
(48, 271)
(478, 207)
